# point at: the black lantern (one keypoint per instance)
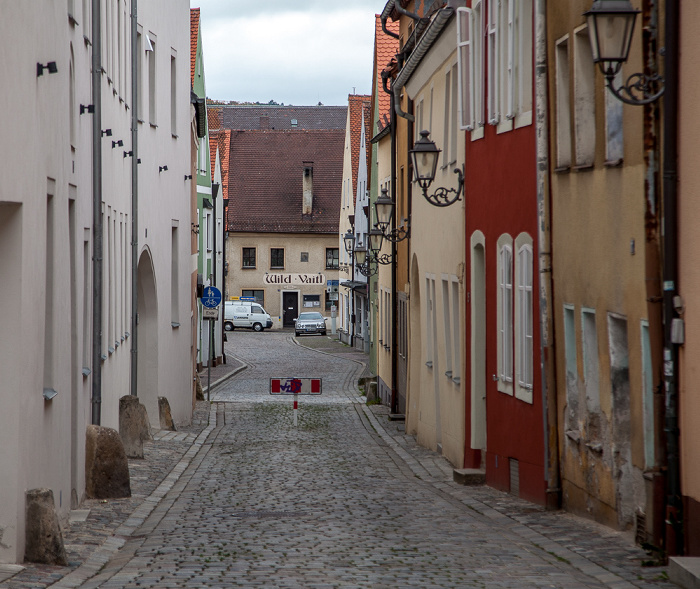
(384, 207)
(375, 240)
(424, 156)
(360, 255)
(610, 29)
(349, 241)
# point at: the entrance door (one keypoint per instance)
(290, 306)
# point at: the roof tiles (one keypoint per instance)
(385, 49)
(265, 180)
(194, 35)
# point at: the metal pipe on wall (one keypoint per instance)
(134, 198)
(97, 232)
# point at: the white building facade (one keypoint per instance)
(47, 239)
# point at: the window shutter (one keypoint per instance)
(493, 61)
(465, 59)
(510, 72)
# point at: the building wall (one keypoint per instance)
(689, 278)
(435, 403)
(46, 248)
(314, 245)
(600, 296)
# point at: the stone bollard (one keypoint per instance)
(166, 418)
(198, 387)
(106, 466)
(372, 392)
(133, 425)
(44, 541)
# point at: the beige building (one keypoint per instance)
(689, 277)
(282, 223)
(606, 284)
(436, 391)
(47, 239)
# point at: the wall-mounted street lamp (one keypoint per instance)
(610, 28)
(424, 157)
(384, 207)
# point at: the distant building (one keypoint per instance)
(277, 118)
(282, 222)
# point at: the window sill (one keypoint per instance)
(562, 170)
(71, 20)
(457, 380)
(174, 135)
(153, 125)
(614, 163)
(583, 168)
(276, 267)
(86, 372)
(448, 374)
(174, 324)
(248, 268)
(429, 364)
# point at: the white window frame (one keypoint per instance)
(429, 304)
(524, 318)
(505, 314)
(465, 61)
(492, 41)
(447, 324)
(456, 324)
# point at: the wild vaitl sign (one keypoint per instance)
(295, 386)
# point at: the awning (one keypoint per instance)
(359, 287)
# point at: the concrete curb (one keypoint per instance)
(101, 556)
(223, 379)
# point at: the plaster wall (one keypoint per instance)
(689, 246)
(315, 245)
(598, 238)
(435, 407)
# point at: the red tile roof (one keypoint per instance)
(222, 140)
(356, 105)
(194, 35)
(214, 116)
(265, 180)
(385, 48)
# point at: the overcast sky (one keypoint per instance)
(298, 52)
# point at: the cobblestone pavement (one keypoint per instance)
(345, 499)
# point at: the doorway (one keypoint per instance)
(290, 308)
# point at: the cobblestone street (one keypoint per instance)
(345, 499)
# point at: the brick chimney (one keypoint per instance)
(307, 200)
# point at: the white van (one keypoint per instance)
(248, 314)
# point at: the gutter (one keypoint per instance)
(544, 249)
(433, 31)
(388, 9)
(97, 233)
(134, 200)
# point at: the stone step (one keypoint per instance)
(684, 571)
(469, 476)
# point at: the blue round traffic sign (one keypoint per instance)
(211, 297)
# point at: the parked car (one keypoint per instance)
(310, 322)
(245, 314)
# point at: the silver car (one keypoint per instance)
(310, 322)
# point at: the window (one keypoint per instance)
(447, 325)
(329, 302)
(584, 99)
(150, 39)
(304, 256)
(277, 257)
(312, 301)
(563, 104)
(505, 314)
(429, 320)
(249, 257)
(203, 157)
(572, 409)
(465, 61)
(510, 62)
(456, 365)
(332, 260)
(258, 294)
(174, 279)
(139, 81)
(173, 93)
(523, 318)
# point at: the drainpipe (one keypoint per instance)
(96, 214)
(394, 251)
(214, 193)
(544, 247)
(134, 199)
(674, 505)
(401, 10)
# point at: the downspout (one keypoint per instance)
(383, 18)
(544, 247)
(394, 251)
(134, 198)
(674, 505)
(96, 214)
(401, 10)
